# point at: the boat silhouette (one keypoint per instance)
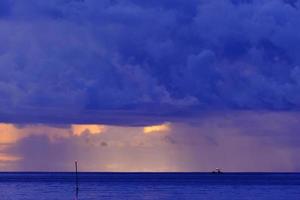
(217, 171)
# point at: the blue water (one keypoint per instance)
(150, 186)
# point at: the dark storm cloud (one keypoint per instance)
(122, 61)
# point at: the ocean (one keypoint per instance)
(150, 186)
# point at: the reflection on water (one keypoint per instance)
(76, 193)
(95, 186)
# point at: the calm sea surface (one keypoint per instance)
(148, 186)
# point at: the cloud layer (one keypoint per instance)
(135, 62)
(244, 141)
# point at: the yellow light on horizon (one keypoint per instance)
(162, 128)
(8, 133)
(8, 158)
(93, 129)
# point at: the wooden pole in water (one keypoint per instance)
(76, 171)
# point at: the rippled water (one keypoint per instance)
(146, 186)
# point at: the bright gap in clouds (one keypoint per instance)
(87, 128)
(45, 147)
(246, 141)
(163, 128)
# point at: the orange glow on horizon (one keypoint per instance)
(163, 128)
(128, 167)
(8, 158)
(93, 129)
(8, 134)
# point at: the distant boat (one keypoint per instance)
(217, 171)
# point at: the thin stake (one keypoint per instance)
(76, 169)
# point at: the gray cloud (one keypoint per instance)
(72, 60)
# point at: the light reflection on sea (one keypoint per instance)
(151, 186)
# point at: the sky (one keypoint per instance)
(169, 85)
